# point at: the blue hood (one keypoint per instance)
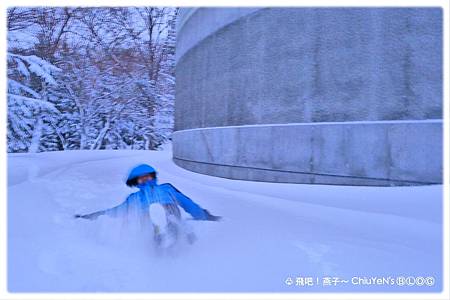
(139, 171)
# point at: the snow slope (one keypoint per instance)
(270, 231)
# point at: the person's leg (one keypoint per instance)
(177, 226)
(159, 220)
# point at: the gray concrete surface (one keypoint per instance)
(310, 65)
(394, 153)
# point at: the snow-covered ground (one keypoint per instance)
(270, 231)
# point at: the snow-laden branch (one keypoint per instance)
(32, 64)
(34, 102)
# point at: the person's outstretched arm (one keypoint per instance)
(112, 212)
(192, 208)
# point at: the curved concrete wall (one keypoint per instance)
(339, 78)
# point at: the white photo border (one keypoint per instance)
(445, 294)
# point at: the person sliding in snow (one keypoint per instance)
(141, 203)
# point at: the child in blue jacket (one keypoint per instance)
(150, 192)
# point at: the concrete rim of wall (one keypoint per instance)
(377, 153)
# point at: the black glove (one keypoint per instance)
(88, 217)
(211, 217)
(91, 216)
(79, 216)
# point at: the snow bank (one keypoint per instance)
(270, 232)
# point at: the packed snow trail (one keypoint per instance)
(270, 231)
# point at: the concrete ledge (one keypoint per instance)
(344, 153)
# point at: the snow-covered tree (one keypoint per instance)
(29, 111)
(90, 78)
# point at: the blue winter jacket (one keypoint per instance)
(152, 192)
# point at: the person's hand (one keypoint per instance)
(77, 216)
(211, 217)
